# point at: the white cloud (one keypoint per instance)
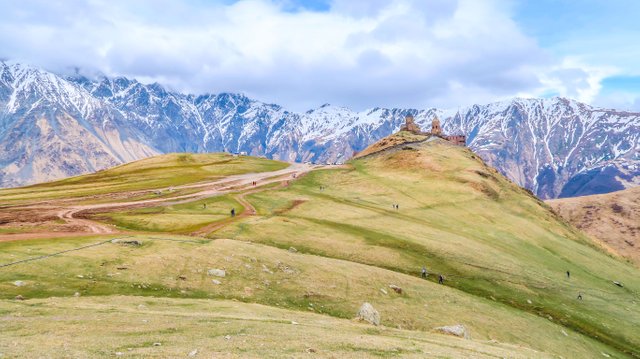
(406, 53)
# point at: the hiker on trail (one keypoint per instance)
(233, 212)
(440, 279)
(204, 206)
(568, 274)
(424, 272)
(579, 296)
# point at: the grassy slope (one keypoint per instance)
(460, 218)
(612, 218)
(130, 325)
(498, 247)
(148, 174)
(182, 218)
(260, 274)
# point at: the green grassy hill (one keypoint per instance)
(314, 251)
(158, 172)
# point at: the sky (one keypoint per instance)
(354, 53)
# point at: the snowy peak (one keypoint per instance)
(555, 147)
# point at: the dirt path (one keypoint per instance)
(248, 210)
(70, 214)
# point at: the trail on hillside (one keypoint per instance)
(248, 210)
(72, 214)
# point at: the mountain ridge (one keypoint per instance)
(53, 127)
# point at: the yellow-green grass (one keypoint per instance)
(148, 174)
(181, 218)
(503, 254)
(391, 141)
(460, 218)
(127, 326)
(176, 267)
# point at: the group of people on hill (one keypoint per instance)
(396, 206)
(424, 275)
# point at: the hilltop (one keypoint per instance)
(307, 247)
(54, 127)
(612, 218)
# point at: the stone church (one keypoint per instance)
(436, 130)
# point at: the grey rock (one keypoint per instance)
(217, 272)
(369, 314)
(458, 330)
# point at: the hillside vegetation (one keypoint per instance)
(612, 218)
(160, 172)
(306, 251)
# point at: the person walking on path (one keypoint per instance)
(233, 212)
(579, 296)
(568, 275)
(440, 279)
(424, 272)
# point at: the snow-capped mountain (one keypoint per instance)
(53, 127)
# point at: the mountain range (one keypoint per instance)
(54, 126)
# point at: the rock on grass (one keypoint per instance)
(369, 314)
(217, 272)
(458, 330)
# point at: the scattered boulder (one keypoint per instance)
(396, 288)
(216, 282)
(266, 269)
(181, 277)
(19, 297)
(311, 350)
(227, 337)
(285, 268)
(618, 284)
(217, 272)
(369, 314)
(19, 283)
(76, 294)
(129, 242)
(383, 291)
(293, 250)
(458, 330)
(248, 291)
(157, 344)
(529, 301)
(193, 353)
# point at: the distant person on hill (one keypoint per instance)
(579, 296)
(440, 279)
(568, 274)
(204, 206)
(424, 272)
(233, 212)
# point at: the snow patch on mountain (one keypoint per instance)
(52, 127)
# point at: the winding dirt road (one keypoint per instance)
(70, 213)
